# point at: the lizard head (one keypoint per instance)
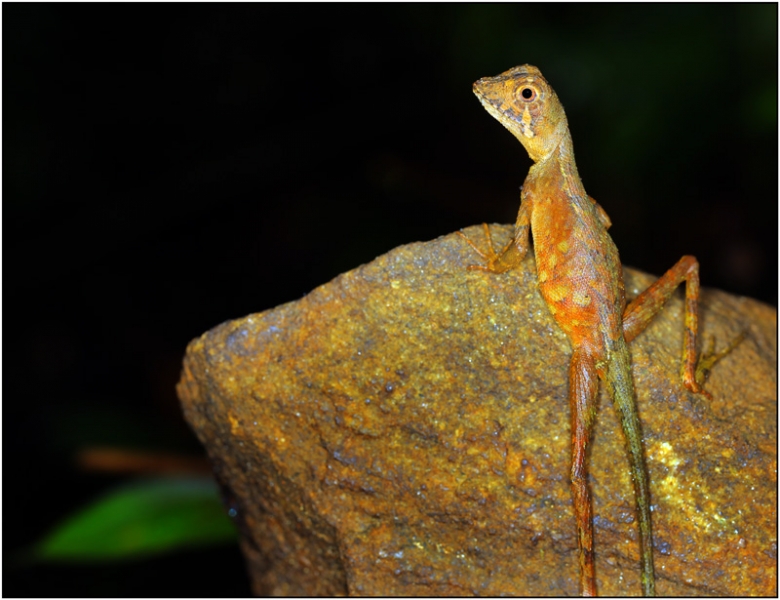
(524, 103)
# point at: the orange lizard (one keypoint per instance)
(581, 280)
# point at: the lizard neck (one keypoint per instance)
(559, 163)
(565, 158)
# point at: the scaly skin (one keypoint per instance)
(581, 280)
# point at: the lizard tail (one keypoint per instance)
(621, 389)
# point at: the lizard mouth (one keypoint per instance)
(498, 110)
(481, 86)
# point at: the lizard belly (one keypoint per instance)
(575, 303)
(572, 270)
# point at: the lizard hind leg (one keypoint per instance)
(583, 389)
(646, 306)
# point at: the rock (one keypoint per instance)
(404, 430)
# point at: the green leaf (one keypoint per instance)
(141, 519)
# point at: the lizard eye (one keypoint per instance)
(528, 94)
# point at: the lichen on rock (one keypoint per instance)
(404, 430)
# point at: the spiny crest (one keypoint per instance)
(523, 102)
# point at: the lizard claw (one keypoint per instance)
(491, 257)
(491, 253)
(707, 360)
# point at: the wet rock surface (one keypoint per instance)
(404, 430)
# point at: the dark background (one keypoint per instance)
(169, 167)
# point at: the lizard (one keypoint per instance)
(580, 278)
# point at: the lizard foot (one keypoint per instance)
(707, 360)
(495, 262)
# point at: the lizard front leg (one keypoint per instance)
(513, 253)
